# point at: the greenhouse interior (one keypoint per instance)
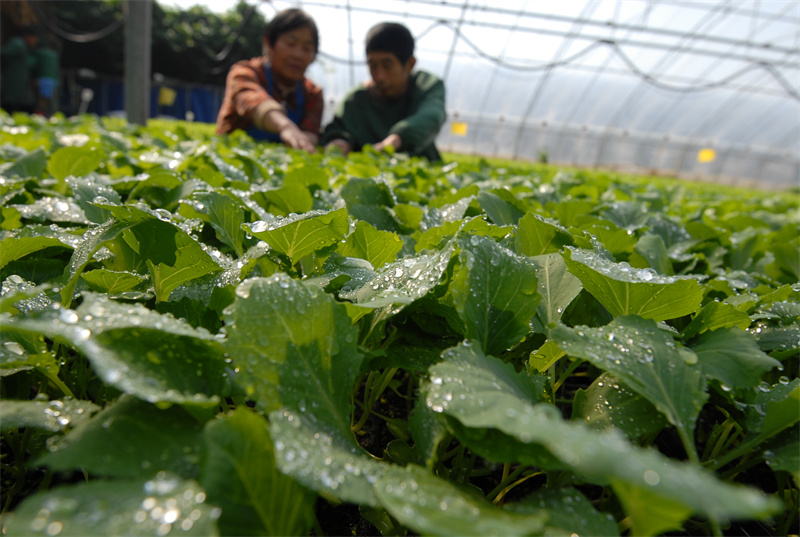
(577, 313)
(693, 89)
(698, 89)
(701, 89)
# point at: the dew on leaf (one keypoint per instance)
(163, 214)
(652, 478)
(14, 347)
(259, 226)
(68, 316)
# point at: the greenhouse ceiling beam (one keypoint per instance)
(791, 136)
(620, 26)
(493, 78)
(584, 21)
(733, 8)
(639, 43)
(453, 45)
(718, 113)
(589, 87)
(585, 37)
(575, 29)
(676, 79)
(714, 17)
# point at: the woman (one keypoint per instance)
(269, 96)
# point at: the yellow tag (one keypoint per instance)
(706, 155)
(166, 96)
(459, 128)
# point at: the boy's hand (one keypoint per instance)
(392, 140)
(340, 144)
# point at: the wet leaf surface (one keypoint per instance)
(568, 513)
(609, 403)
(55, 415)
(164, 505)
(466, 381)
(624, 290)
(295, 348)
(297, 236)
(558, 289)
(732, 356)
(287, 330)
(428, 504)
(146, 440)
(647, 360)
(241, 477)
(141, 352)
(495, 293)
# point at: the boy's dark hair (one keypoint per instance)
(391, 37)
(288, 20)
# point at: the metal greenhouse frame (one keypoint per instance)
(705, 89)
(694, 89)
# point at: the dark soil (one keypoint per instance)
(344, 519)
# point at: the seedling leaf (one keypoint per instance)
(732, 356)
(240, 476)
(72, 160)
(648, 361)
(558, 289)
(377, 247)
(467, 381)
(495, 293)
(299, 236)
(146, 440)
(624, 290)
(102, 508)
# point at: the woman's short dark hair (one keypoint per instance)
(391, 37)
(288, 20)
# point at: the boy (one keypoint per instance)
(396, 107)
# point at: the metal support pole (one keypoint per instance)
(138, 40)
(456, 33)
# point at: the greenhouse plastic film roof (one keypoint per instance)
(694, 89)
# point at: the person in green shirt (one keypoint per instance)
(45, 73)
(17, 61)
(396, 107)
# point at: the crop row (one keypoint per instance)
(209, 336)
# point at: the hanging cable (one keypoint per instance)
(574, 31)
(588, 87)
(53, 26)
(550, 17)
(89, 37)
(713, 18)
(481, 53)
(703, 87)
(222, 55)
(632, 67)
